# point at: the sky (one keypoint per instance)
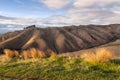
(59, 12)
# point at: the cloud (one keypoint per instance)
(10, 27)
(89, 3)
(4, 17)
(94, 12)
(116, 9)
(89, 16)
(55, 4)
(49, 21)
(13, 20)
(84, 12)
(18, 21)
(81, 12)
(57, 20)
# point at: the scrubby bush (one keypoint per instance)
(100, 55)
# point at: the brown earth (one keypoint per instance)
(61, 39)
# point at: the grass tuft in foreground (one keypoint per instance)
(99, 56)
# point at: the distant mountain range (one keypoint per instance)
(61, 39)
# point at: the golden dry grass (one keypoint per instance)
(100, 55)
(26, 54)
(89, 56)
(11, 54)
(16, 53)
(51, 53)
(33, 53)
(30, 53)
(41, 54)
(104, 55)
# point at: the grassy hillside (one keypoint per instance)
(58, 68)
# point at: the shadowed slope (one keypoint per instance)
(17, 41)
(61, 39)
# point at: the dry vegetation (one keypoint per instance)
(62, 68)
(11, 54)
(27, 54)
(100, 55)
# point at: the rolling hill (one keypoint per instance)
(61, 39)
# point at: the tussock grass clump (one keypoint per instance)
(30, 53)
(51, 53)
(104, 55)
(11, 54)
(16, 53)
(100, 55)
(26, 54)
(41, 54)
(89, 57)
(35, 53)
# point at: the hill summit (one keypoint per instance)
(60, 39)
